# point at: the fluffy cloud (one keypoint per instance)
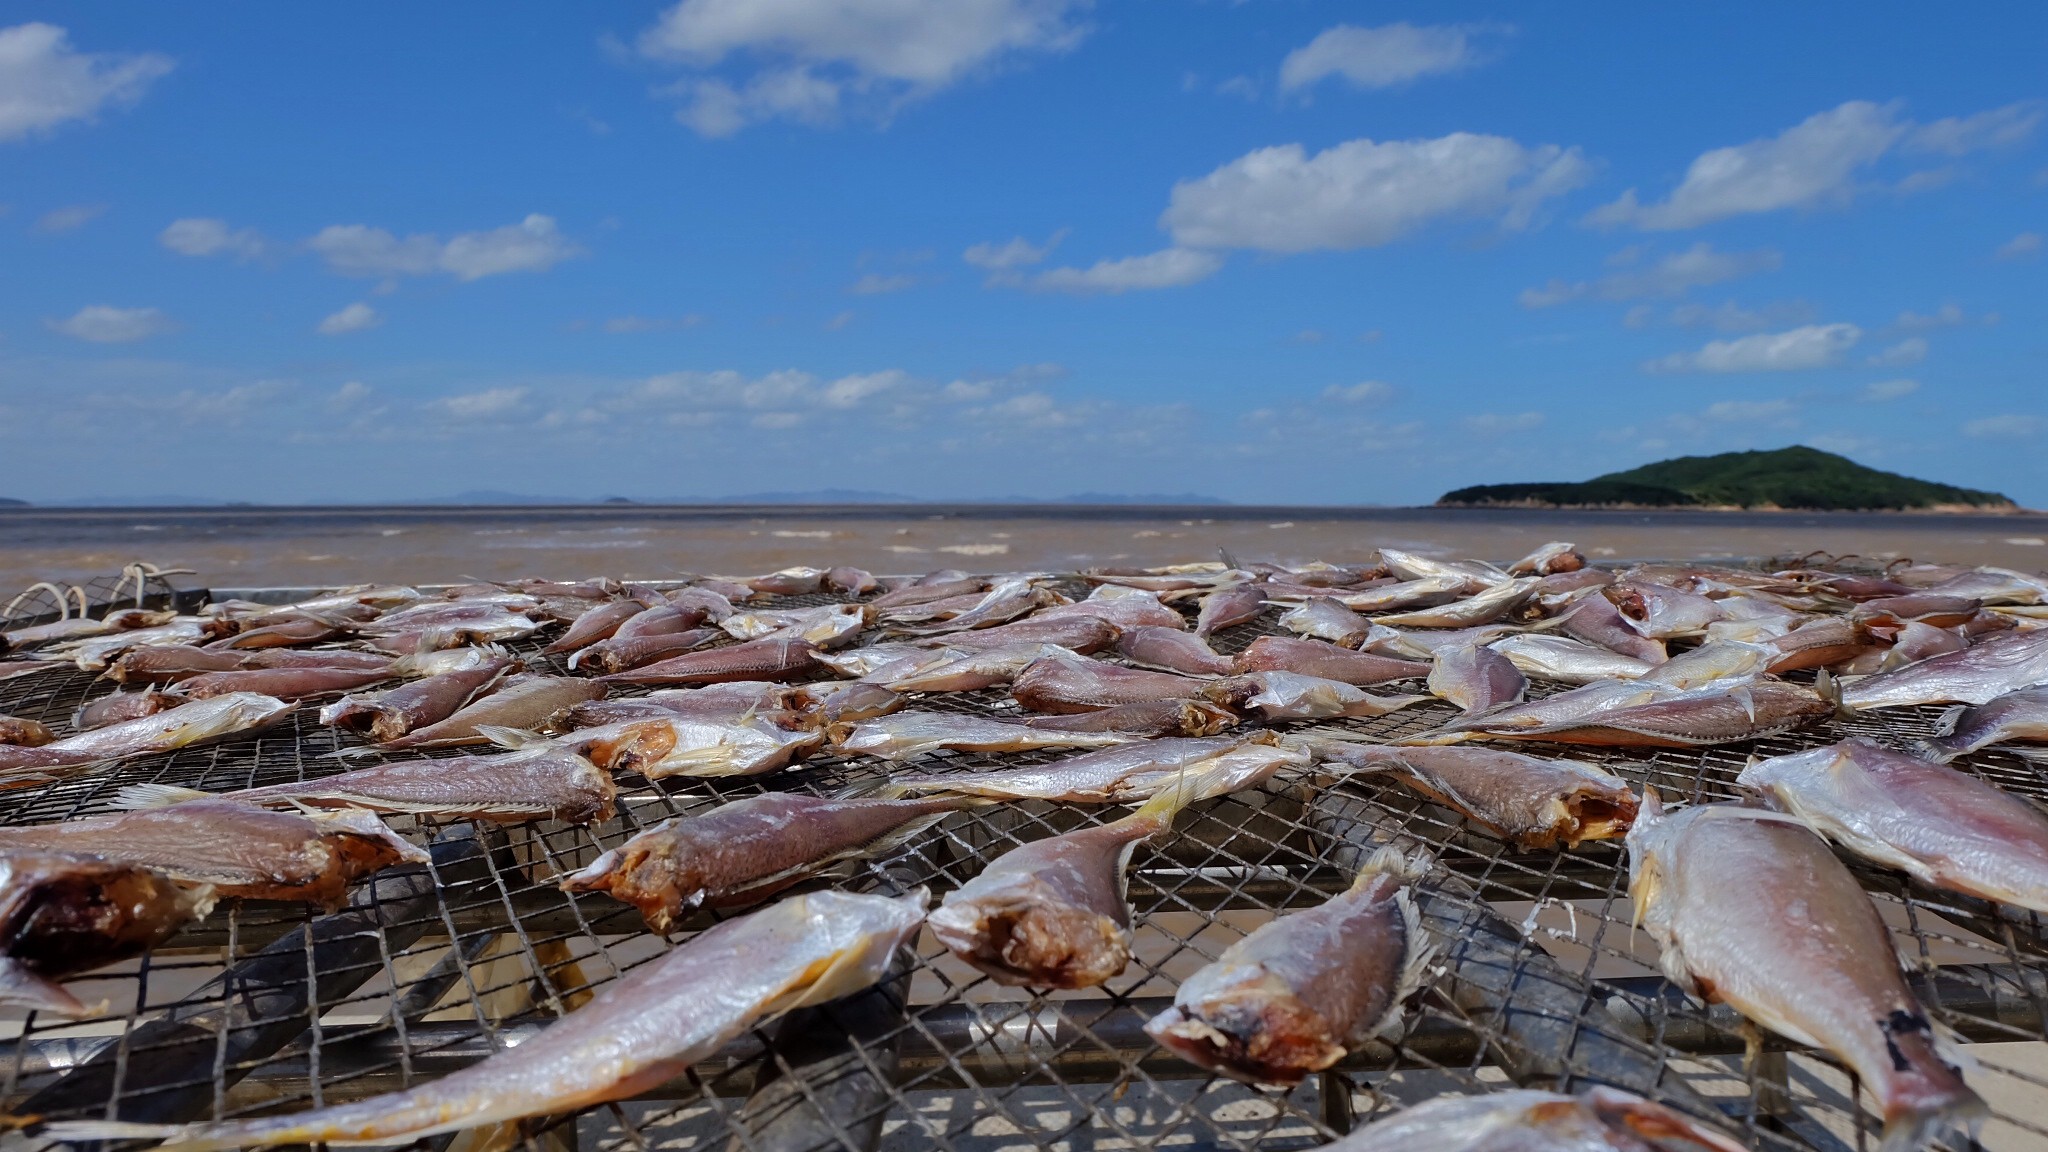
(1946, 316)
(1364, 391)
(1812, 164)
(1017, 252)
(44, 82)
(1732, 317)
(2010, 426)
(1166, 268)
(105, 324)
(2020, 247)
(357, 317)
(1811, 346)
(1911, 350)
(1378, 57)
(879, 284)
(69, 218)
(491, 404)
(1751, 411)
(532, 245)
(1363, 193)
(815, 57)
(1877, 392)
(200, 236)
(1669, 276)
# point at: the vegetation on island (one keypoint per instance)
(1791, 478)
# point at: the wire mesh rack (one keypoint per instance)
(1539, 982)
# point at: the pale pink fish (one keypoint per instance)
(1526, 1120)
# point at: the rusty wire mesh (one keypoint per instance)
(277, 1007)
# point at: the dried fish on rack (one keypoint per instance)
(681, 745)
(1327, 660)
(526, 703)
(643, 1030)
(1476, 678)
(906, 734)
(778, 658)
(2016, 716)
(1978, 674)
(24, 733)
(1122, 775)
(385, 716)
(1601, 1119)
(180, 727)
(1532, 803)
(1075, 684)
(61, 915)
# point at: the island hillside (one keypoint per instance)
(1796, 477)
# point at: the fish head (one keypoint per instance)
(1661, 1128)
(630, 746)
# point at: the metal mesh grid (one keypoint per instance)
(271, 1006)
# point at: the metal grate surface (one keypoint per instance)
(1540, 982)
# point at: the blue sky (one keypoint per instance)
(1270, 251)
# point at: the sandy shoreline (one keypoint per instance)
(242, 547)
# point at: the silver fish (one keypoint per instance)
(870, 659)
(1638, 715)
(773, 658)
(1134, 610)
(1172, 650)
(1554, 557)
(1532, 803)
(1662, 612)
(1084, 632)
(682, 745)
(95, 653)
(641, 1031)
(1944, 827)
(596, 624)
(1526, 1120)
(1424, 592)
(1562, 658)
(1412, 566)
(1122, 775)
(528, 703)
(965, 671)
(1293, 696)
(1724, 662)
(166, 731)
(1476, 678)
(1076, 684)
(80, 628)
(2016, 716)
(1304, 989)
(1325, 619)
(282, 683)
(827, 626)
(1230, 606)
(1977, 675)
(387, 715)
(907, 734)
(1319, 658)
(115, 707)
(1752, 909)
(1596, 621)
(1483, 608)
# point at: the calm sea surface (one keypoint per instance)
(254, 547)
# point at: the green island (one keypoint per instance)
(1786, 478)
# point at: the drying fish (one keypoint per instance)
(81, 627)
(179, 727)
(1304, 989)
(596, 624)
(965, 671)
(1230, 606)
(483, 610)
(1123, 775)
(1009, 599)
(1428, 591)
(798, 581)
(1132, 610)
(1926, 607)
(1565, 659)
(385, 716)
(1661, 612)
(285, 629)
(623, 653)
(2016, 716)
(772, 659)
(9, 669)
(1076, 633)
(850, 581)
(537, 784)
(679, 745)
(1621, 714)
(730, 700)
(1994, 586)
(24, 733)
(1531, 803)
(1720, 662)
(1596, 621)
(1075, 684)
(529, 703)
(1053, 913)
(1476, 678)
(1325, 619)
(240, 849)
(1409, 566)
(1172, 650)
(1915, 642)
(417, 664)
(1554, 557)
(1558, 590)
(823, 705)
(639, 1032)
(1793, 944)
(1482, 608)
(923, 592)
(282, 683)
(1946, 828)
(1976, 675)
(1144, 718)
(1823, 643)
(1525, 1120)
(1317, 658)
(115, 707)
(713, 605)
(748, 850)
(827, 626)
(870, 659)
(64, 915)
(907, 734)
(95, 653)
(1293, 696)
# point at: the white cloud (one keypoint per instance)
(357, 317)
(1363, 193)
(1499, 423)
(200, 236)
(1378, 57)
(878, 284)
(1911, 350)
(1811, 346)
(1361, 392)
(1017, 252)
(1814, 163)
(853, 391)
(44, 82)
(2020, 247)
(1946, 316)
(812, 57)
(1877, 392)
(1731, 317)
(1166, 268)
(2010, 426)
(105, 324)
(349, 395)
(489, 404)
(1962, 135)
(69, 218)
(532, 245)
(1751, 411)
(1672, 275)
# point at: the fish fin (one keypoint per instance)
(137, 796)
(1389, 861)
(1828, 687)
(875, 788)
(512, 738)
(70, 1131)
(20, 986)
(1945, 724)
(1932, 750)
(1415, 968)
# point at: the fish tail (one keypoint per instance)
(138, 796)
(1390, 861)
(1945, 724)
(512, 738)
(1936, 750)
(20, 986)
(1829, 688)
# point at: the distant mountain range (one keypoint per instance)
(492, 497)
(1791, 478)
